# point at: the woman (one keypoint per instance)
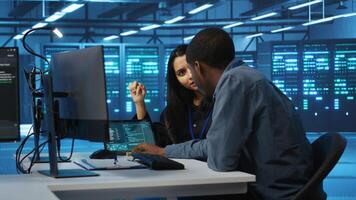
(187, 115)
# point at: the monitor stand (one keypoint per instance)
(68, 173)
(45, 159)
(52, 148)
(37, 118)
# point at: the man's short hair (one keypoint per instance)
(212, 46)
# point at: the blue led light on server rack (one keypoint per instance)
(345, 78)
(336, 104)
(326, 82)
(285, 69)
(112, 75)
(129, 106)
(167, 54)
(305, 104)
(141, 64)
(248, 57)
(316, 75)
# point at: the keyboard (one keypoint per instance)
(157, 162)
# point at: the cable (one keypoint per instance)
(19, 151)
(31, 51)
(29, 131)
(31, 80)
(19, 160)
(71, 151)
(18, 155)
(28, 48)
(28, 79)
(41, 149)
(33, 157)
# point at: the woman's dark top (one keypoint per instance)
(200, 118)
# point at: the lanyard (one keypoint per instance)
(191, 124)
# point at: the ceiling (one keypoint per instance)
(133, 14)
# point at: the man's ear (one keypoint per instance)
(198, 67)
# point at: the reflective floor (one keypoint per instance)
(339, 185)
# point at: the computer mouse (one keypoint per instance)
(103, 154)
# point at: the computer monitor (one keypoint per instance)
(76, 81)
(82, 112)
(9, 88)
(124, 135)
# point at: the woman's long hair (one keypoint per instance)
(179, 99)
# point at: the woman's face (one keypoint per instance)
(183, 73)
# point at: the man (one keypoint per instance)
(254, 128)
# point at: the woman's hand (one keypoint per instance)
(137, 91)
(148, 148)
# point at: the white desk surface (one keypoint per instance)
(196, 179)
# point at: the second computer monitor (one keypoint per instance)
(9, 90)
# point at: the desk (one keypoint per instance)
(196, 179)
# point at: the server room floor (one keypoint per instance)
(339, 185)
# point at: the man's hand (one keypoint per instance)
(148, 148)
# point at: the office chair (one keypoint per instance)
(327, 150)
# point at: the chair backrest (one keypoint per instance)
(327, 150)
